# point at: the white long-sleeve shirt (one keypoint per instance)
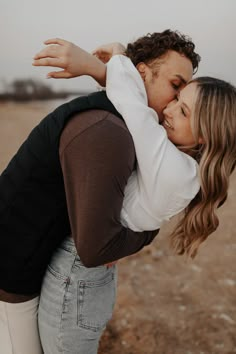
(166, 179)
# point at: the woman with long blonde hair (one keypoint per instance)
(214, 121)
(201, 122)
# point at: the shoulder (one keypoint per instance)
(98, 133)
(96, 121)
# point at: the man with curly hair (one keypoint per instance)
(62, 182)
(166, 62)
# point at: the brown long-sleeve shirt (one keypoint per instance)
(97, 157)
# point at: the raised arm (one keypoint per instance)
(125, 89)
(167, 178)
(75, 61)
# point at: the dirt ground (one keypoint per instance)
(166, 304)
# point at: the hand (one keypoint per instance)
(72, 59)
(105, 52)
(109, 265)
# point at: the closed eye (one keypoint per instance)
(183, 112)
(176, 87)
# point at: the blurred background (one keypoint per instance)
(25, 24)
(166, 304)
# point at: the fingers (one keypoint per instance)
(41, 61)
(58, 41)
(55, 55)
(102, 55)
(96, 51)
(100, 51)
(52, 51)
(58, 75)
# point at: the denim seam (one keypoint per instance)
(57, 275)
(81, 285)
(67, 281)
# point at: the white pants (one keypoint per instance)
(19, 328)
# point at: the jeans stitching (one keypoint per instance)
(80, 299)
(56, 274)
(68, 283)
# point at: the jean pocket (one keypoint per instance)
(56, 274)
(60, 264)
(96, 301)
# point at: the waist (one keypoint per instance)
(68, 245)
(15, 298)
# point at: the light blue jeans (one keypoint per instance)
(75, 304)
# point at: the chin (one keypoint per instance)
(169, 137)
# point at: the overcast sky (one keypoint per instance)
(25, 24)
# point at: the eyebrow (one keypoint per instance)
(181, 78)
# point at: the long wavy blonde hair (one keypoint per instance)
(215, 122)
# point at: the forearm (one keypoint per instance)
(126, 91)
(96, 166)
(96, 69)
(125, 243)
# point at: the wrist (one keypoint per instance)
(99, 72)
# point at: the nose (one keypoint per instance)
(169, 109)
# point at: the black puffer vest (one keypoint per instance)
(33, 213)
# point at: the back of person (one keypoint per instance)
(33, 210)
(32, 200)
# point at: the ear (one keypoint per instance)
(142, 69)
(201, 141)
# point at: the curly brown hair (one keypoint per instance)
(156, 45)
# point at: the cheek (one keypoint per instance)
(167, 95)
(171, 94)
(184, 129)
(186, 134)
(154, 99)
